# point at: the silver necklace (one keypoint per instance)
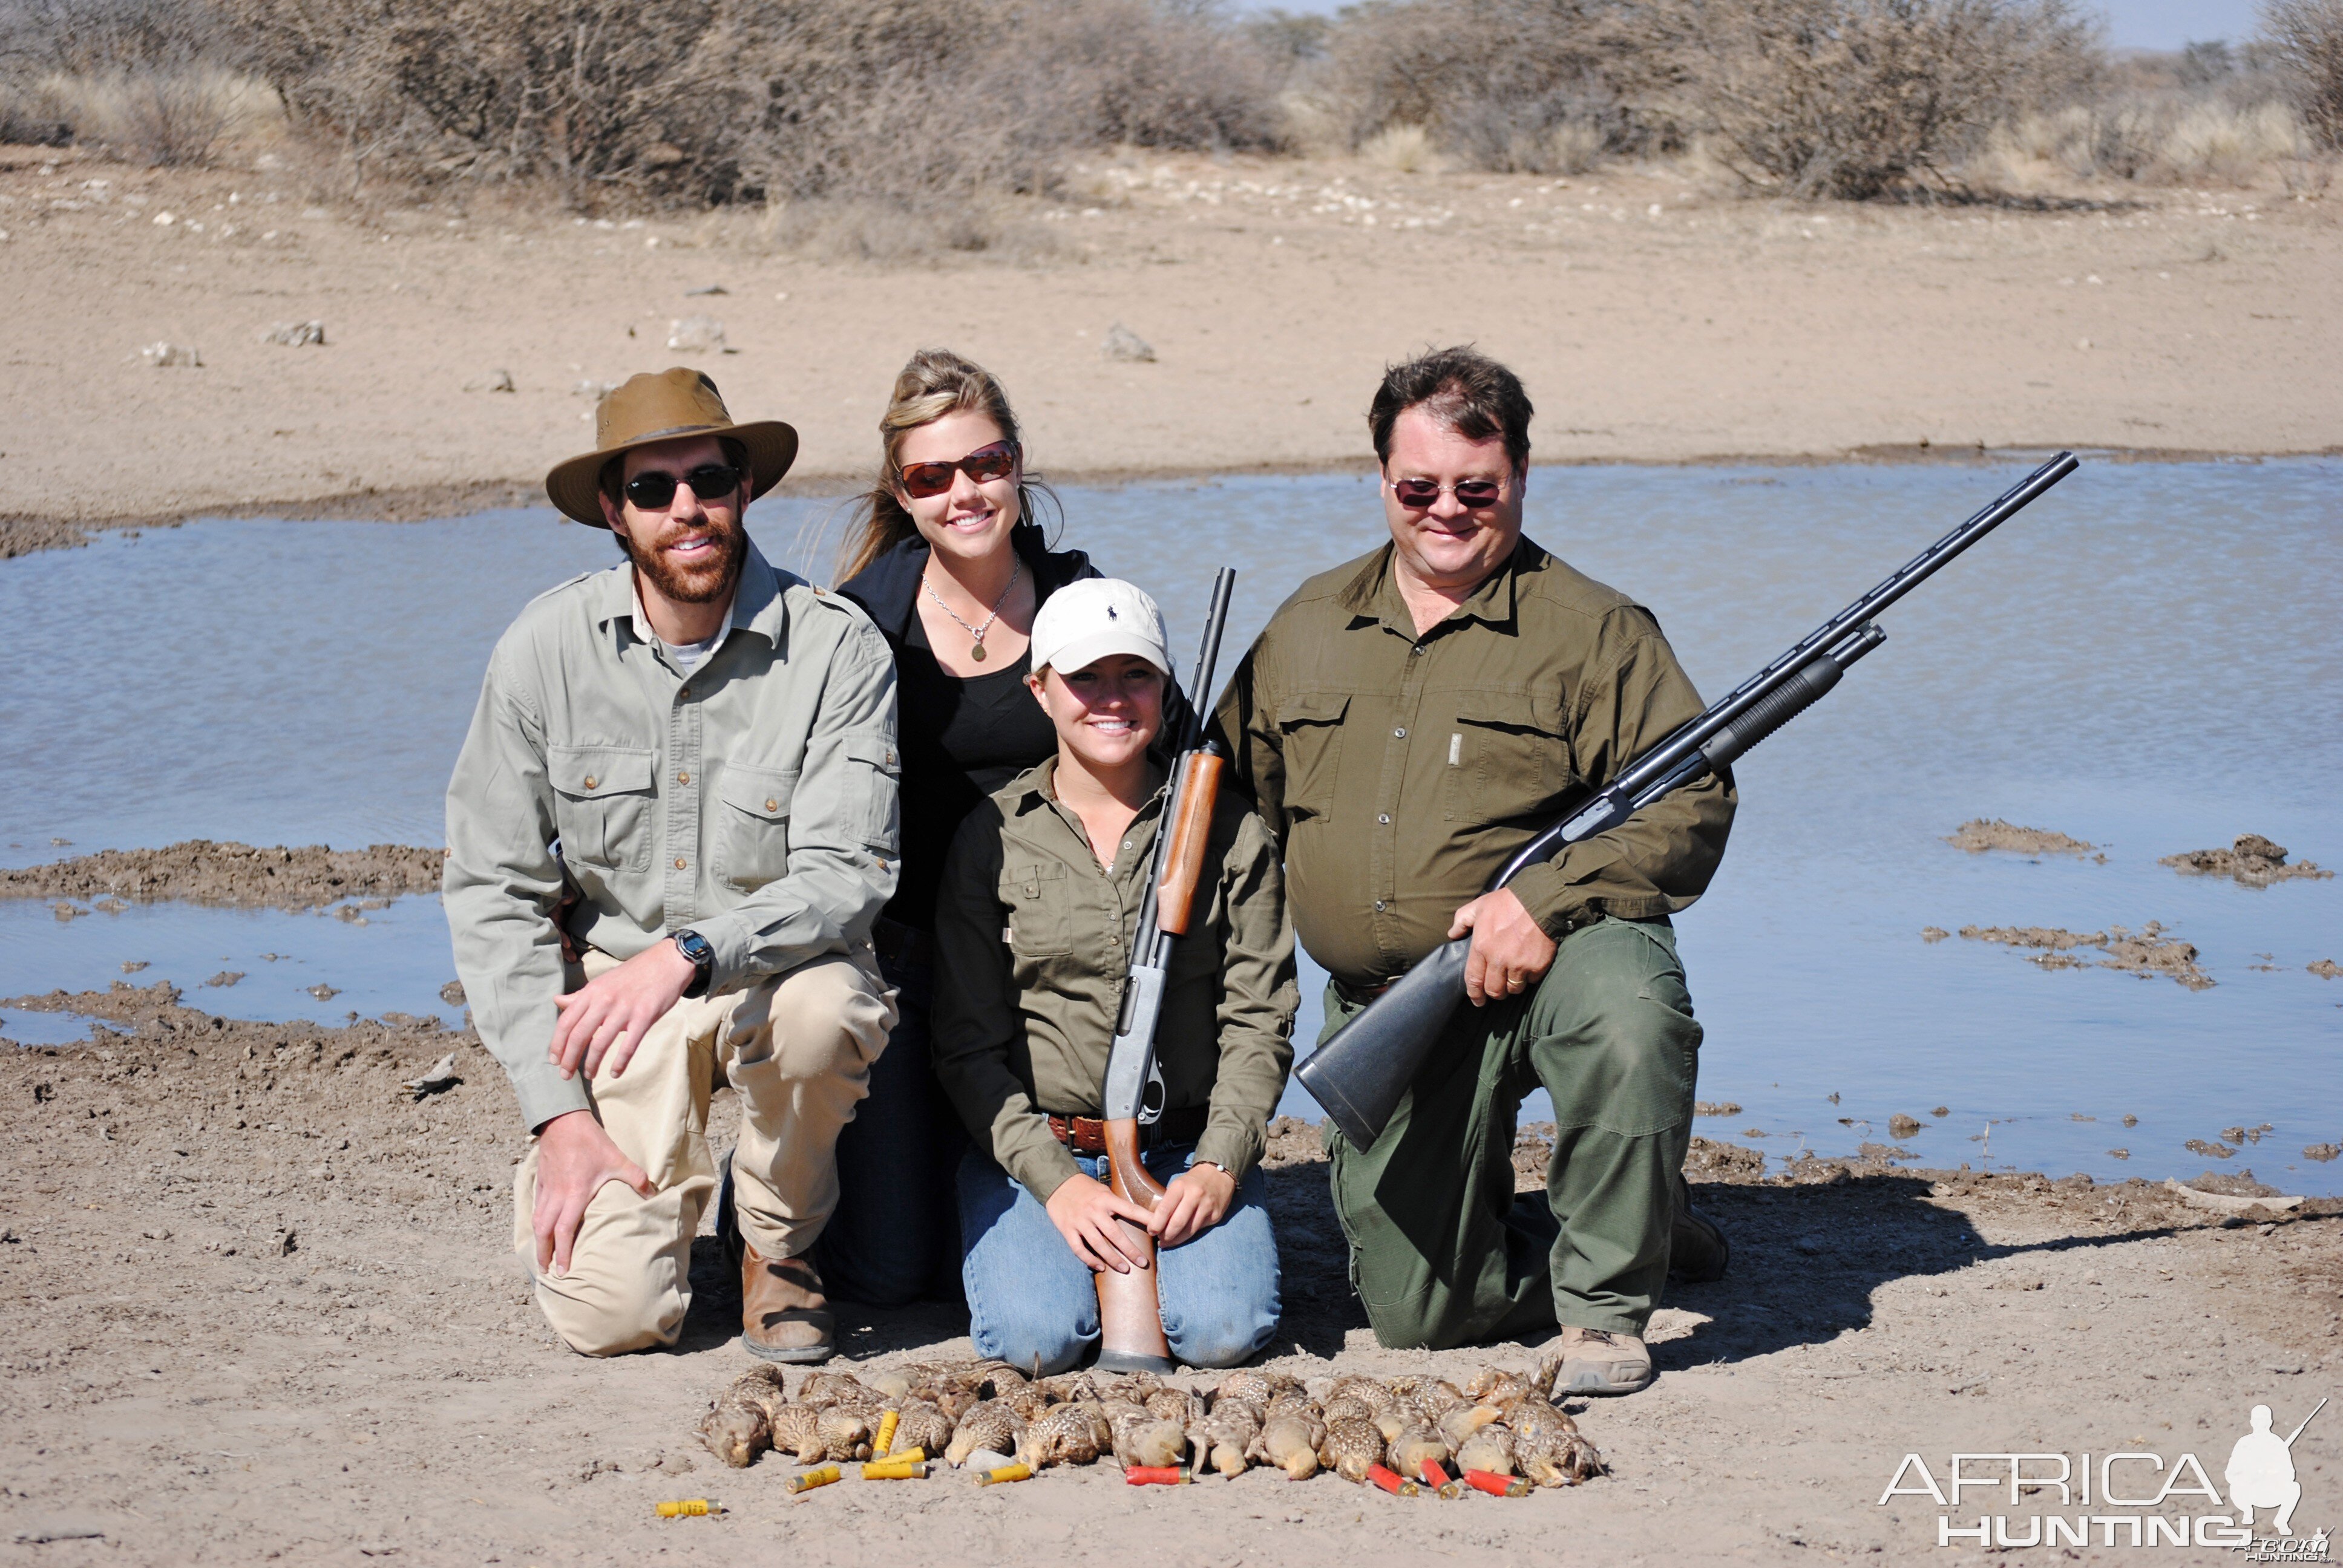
(976, 633)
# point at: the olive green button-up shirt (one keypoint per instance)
(1033, 944)
(752, 800)
(1399, 772)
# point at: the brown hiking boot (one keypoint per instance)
(1597, 1361)
(1697, 1249)
(784, 1316)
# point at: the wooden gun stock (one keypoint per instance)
(1184, 862)
(1131, 1312)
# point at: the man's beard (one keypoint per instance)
(701, 584)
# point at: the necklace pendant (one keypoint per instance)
(977, 653)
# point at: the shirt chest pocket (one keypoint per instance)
(1506, 759)
(1310, 732)
(1037, 900)
(753, 828)
(602, 804)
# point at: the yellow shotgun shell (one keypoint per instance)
(895, 1469)
(1005, 1472)
(813, 1478)
(689, 1508)
(886, 1433)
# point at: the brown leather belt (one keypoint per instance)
(1086, 1134)
(1359, 996)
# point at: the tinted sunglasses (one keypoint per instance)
(984, 465)
(652, 491)
(1417, 495)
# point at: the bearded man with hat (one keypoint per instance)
(682, 770)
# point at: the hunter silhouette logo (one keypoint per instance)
(2128, 1498)
(2261, 1471)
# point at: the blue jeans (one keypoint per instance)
(1030, 1299)
(890, 1240)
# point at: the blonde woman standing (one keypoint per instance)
(948, 559)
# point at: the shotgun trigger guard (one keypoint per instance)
(1150, 1101)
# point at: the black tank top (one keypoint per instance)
(962, 739)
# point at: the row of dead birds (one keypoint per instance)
(1499, 1421)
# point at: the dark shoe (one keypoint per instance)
(1698, 1253)
(1597, 1361)
(784, 1316)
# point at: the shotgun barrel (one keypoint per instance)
(1360, 1074)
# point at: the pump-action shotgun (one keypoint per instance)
(1130, 1312)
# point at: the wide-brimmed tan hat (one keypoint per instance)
(660, 407)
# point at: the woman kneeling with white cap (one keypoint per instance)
(1039, 902)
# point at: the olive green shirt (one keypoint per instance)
(752, 800)
(1032, 946)
(1400, 772)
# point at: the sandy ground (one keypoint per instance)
(261, 1309)
(1654, 317)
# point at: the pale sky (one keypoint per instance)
(2131, 23)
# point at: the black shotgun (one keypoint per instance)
(1360, 1074)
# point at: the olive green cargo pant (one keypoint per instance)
(1440, 1252)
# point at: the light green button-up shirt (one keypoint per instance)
(753, 799)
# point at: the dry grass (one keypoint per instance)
(1404, 149)
(155, 117)
(2151, 141)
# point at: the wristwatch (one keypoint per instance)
(694, 946)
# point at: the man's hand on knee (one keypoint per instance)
(608, 1016)
(1511, 952)
(574, 1157)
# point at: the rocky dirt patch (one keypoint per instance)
(2146, 952)
(237, 875)
(1977, 835)
(2252, 859)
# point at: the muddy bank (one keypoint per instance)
(236, 876)
(2252, 859)
(264, 1303)
(2146, 952)
(1978, 835)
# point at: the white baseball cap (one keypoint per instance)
(1085, 621)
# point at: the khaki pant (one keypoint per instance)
(797, 1048)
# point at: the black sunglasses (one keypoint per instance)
(1419, 495)
(652, 491)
